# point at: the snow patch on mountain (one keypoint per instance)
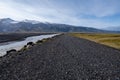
(31, 21)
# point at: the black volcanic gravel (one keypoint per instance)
(62, 58)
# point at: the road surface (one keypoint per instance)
(62, 58)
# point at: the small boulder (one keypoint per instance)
(11, 51)
(30, 43)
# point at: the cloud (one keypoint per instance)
(93, 13)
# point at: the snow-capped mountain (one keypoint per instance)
(7, 21)
(30, 21)
(9, 25)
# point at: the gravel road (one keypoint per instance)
(62, 58)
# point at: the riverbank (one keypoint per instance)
(18, 45)
(7, 37)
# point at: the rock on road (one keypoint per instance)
(62, 58)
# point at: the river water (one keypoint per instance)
(20, 44)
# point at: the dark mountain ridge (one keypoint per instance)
(9, 25)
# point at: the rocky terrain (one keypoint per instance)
(62, 58)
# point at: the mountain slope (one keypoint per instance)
(113, 28)
(9, 25)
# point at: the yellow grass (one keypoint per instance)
(112, 40)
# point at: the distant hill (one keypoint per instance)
(9, 25)
(113, 28)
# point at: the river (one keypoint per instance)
(20, 44)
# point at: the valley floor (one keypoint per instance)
(112, 40)
(62, 58)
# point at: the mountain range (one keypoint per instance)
(112, 28)
(10, 25)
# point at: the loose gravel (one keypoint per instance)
(62, 58)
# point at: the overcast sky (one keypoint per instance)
(91, 13)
